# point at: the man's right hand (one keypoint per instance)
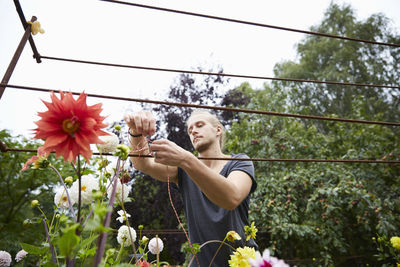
(141, 122)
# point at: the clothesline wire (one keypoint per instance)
(251, 23)
(262, 112)
(219, 73)
(4, 148)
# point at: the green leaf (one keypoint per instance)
(34, 250)
(67, 242)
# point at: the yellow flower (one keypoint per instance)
(395, 240)
(36, 27)
(240, 258)
(232, 236)
(250, 231)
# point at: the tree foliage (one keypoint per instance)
(18, 189)
(326, 214)
(326, 211)
(328, 59)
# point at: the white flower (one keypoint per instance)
(123, 236)
(110, 143)
(61, 199)
(121, 193)
(122, 216)
(20, 255)
(88, 183)
(5, 258)
(156, 245)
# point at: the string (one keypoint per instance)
(139, 149)
(177, 217)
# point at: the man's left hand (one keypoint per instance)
(168, 153)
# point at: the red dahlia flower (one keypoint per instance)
(70, 126)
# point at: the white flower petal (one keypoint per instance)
(88, 184)
(111, 142)
(156, 245)
(124, 237)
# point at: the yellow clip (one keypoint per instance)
(36, 27)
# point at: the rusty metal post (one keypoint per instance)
(21, 15)
(3, 147)
(15, 58)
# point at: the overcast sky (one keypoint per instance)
(106, 32)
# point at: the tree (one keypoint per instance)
(325, 213)
(19, 189)
(321, 58)
(328, 212)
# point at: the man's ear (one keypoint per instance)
(219, 130)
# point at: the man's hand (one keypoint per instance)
(168, 153)
(142, 122)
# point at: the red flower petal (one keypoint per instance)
(69, 126)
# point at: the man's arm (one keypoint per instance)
(227, 193)
(143, 123)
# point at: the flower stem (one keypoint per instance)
(158, 251)
(208, 242)
(127, 223)
(53, 255)
(220, 245)
(80, 189)
(102, 238)
(66, 191)
(120, 250)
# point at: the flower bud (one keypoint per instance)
(41, 163)
(69, 180)
(140, 227)
(144, 240)
(110, 252)
(34, 203)
(26, 223)
(122, 151)
(125, 177)
(103, 163)
(97, 194)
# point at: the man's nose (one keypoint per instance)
(194, 131)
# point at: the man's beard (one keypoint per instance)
(202, 146)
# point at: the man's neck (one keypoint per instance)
(212, 152)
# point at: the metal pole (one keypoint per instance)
(21, 15)
(15, 58)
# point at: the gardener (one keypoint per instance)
(215, 193)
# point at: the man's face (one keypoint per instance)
(201, 132)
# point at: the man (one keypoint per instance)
(215, 193)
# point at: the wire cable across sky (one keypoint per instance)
(251, 23)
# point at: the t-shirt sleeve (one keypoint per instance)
(247, 167)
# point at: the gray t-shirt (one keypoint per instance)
(207, 221)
